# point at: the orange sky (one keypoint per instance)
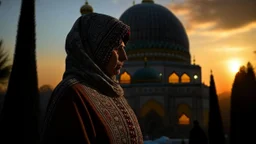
(217, 40)
(221, 33)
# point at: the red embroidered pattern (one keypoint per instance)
(118, 116)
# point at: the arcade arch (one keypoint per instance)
(185, 78)
(125, 78)
(184, 114)
(173, 78)
(152, 105)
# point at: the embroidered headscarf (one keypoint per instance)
(89, 45)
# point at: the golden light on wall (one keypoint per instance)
(173, 78)
(185, 78)
(184, 120)
(125, 78)
(184, 114)
(152, 105)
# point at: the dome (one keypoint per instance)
(86, 8)
(146, 75)
(156, 33)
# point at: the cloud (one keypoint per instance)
(228, 49)
(217, 15)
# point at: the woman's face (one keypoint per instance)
(116, 60)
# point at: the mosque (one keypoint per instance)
(161, 84)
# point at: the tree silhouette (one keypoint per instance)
(5, 69)
(215, 127)
(236, 106)
(249, 108)
(19, 116)
(243, 106)
(250, 84)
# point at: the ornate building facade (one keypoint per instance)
(162, 86)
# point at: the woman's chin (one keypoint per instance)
(117, 72)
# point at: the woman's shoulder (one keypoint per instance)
(63, 88)
(70, 86)
(65, 84)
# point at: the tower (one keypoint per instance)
(194, 60)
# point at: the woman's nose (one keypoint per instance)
(122, 55)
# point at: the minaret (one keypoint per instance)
(194, 60)
(86, 8)
(215, 124)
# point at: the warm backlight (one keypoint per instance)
(234, 65)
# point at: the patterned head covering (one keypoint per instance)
(89, 45)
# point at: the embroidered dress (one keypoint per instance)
(89, 107)
(86, 116)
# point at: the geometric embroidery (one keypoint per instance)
(118, 115)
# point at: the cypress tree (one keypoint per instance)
(19, 117)
(250, 106)
(215, 127)
(238, 107)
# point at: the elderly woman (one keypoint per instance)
(88, 106)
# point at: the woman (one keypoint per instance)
(88, 106)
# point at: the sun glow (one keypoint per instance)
(234, 65)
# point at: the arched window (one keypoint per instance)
(173, 78)
(185, 78)
(125, 78)
(152, 105)
(184, 120)
(184, 114)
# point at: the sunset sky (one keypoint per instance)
(222, 33)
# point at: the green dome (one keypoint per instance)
(156, 31)
(146, 75)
